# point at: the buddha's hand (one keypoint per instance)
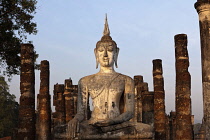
(104, 123)
(92, 121)
(72, 128)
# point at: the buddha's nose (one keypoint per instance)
(105, 53)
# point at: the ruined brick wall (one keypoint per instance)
(65, 102)
(167, 127)
(147, 105)
(172, 125)
(26, 126)
(144, 102)
(201, 133)
(183, 90)
(6, 138)
(68, 100)
(59, 116)
(138, 80)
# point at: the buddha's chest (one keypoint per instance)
(106, 93)
(106, 89)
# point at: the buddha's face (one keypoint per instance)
(106, 54)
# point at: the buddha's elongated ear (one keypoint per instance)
(116, 56)
(96, 55)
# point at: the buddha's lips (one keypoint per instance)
(106, 59)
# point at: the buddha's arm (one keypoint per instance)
(81, 101)
(73, 125)
(129, 105)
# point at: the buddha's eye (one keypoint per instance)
(110, 49)
(100, 49)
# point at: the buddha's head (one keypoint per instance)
(106, 51)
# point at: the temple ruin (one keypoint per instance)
(140, 112)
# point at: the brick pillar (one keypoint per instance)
(138, 80)
(43, 103)
(26, 127)
(68, 99)
(183, 90)
(159, 101)
(203, 9)
(59, 103)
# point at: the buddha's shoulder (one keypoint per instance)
(127, 78)
(86, 79)
(93, 77)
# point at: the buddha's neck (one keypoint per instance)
(107, 70)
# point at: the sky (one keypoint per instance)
(143, 30)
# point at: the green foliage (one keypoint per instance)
(15, 22)
(8, 110)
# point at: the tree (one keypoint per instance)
(8, 110)
(16, 20)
